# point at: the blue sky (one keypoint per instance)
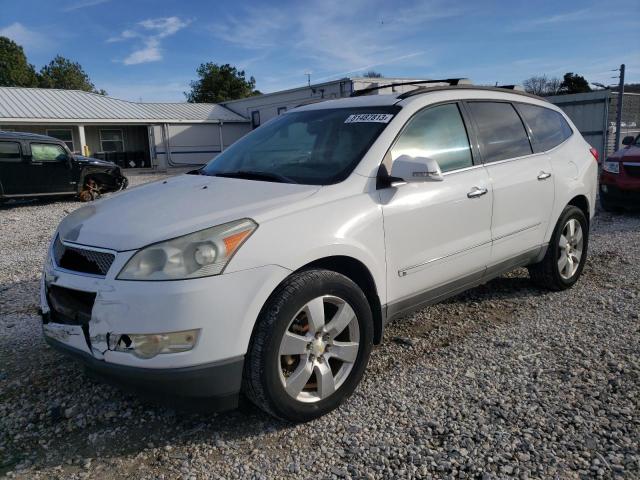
(150, 49)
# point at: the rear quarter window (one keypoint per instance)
(500, 131)
(548, 127)
(10, 152)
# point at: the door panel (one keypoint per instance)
(434, 233)
(521, 181)
(522, 204)
(12, 169)
(50, 168)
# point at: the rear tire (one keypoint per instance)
(566, 254)
(310, 346)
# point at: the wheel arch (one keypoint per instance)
(357, 272)
(581, 202)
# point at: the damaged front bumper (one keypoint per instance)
(213, 386)
(81, 312)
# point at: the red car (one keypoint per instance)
(620, 177)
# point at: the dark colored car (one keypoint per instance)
(39, 166)
(620, 177)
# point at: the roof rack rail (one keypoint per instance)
(511, 87)
(449, 81)
(421, 90)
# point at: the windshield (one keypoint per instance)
(316, 147)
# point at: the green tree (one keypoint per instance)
(219, 83)
(574, 83)
(63, 73)
(15, 71)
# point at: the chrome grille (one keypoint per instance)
(82, 260)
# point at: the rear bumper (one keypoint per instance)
(213, 387)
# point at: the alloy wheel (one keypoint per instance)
(319, 349)
(570, 248)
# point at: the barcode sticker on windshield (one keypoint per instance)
(369, 117)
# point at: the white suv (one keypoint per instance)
(273, 269)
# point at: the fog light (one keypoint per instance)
(604, 188)
(148, 345)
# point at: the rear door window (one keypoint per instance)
(47, 152)
(10, 152)
(549, 128)
(438, 133)
(501, 133)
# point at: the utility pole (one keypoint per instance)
(619, 110)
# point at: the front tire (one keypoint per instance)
(566, 254)
(310, 346)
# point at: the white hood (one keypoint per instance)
(170, 208)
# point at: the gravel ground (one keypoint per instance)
(503, 381)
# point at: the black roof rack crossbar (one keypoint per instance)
(364, 91)
(421, 90)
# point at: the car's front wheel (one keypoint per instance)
(310, 346)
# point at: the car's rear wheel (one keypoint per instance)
(566, 254)
(310, 346)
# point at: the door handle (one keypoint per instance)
(477, 192)
(543, 175)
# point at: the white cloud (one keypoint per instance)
(23, 36)
(149, 34)
(149, 53)
(83, 4)
(329, 36)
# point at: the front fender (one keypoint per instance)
(352, 227)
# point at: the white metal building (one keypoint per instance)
(594, 113)
(162, 135)
(158, 135)
(262, 108)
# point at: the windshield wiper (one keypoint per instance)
(255, 175)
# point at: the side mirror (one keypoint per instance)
(628, 140)
(416, 169)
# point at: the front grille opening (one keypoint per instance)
(81, 260)
(70, 307)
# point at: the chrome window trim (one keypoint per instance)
(460, 170)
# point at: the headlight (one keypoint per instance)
(611, 167)
(199, 254)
